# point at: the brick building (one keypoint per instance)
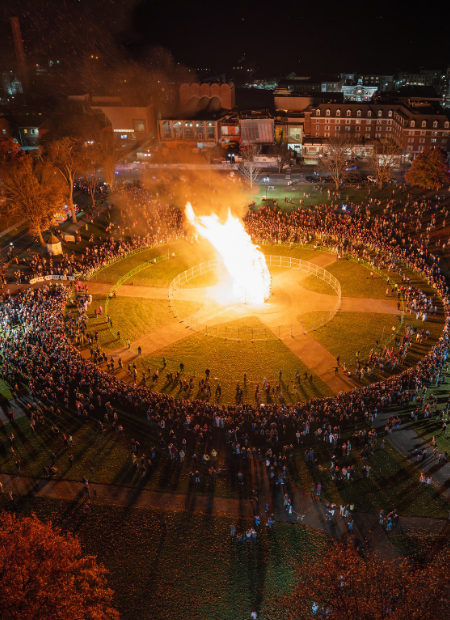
(415, 126)
(421, 126)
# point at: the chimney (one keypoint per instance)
(20, 53)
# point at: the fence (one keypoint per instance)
(258, 333)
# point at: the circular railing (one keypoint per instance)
(311, 323)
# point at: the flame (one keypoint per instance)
(244, 262)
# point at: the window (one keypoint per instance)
(327, 135)
(338, 120)
(349, 112)
(378, 122)
(434, 133)
(317, 112)
(210, 130)
(410, 139)
(189, 129)
(338, 128)
(327, 113)
(25, 131)
(444, 134)
(347, 129)
(327, 120)
(435, 124)
(199, 131)
(347, 121)
(390, 113)
(424, 123)
(446, 124)
(139, 125)
(367, 128)
(166, 130)
(433, 139)
(358, 113)
(358, 122)
(338, 113)
(123, 136)
(412, 124)
(317, 134)
(444, 140)
(409, 148)
(423, 133)
(177, 130)
(420, 148)
(378, 135)
(358, 128)
(389, 122)
(421, 139)
(380, 113)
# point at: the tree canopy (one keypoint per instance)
(429, 170)
(45, 576)
(35, 190)
(343, 585)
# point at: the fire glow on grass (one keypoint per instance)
(244, 262)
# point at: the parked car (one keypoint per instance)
(353, 167)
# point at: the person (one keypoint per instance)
(313, 491)
(232, 530)
(139, 350)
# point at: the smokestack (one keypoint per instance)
(20, 53)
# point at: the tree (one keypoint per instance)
(10, 151)
(342, 585)
(106, 155)
(248, 167)
(382, 160)
(90, 168)
(429, 169)
(335, 159)
(45, 576)
(282, 154)
(34, 189)
(209, 154)
(66, 157)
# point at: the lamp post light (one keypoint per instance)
(266, 181)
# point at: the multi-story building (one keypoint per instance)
(419, 127)
(415, 126)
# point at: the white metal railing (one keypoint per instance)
(258, 333)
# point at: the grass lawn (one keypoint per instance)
(317, 196)
(354, 279)
(295, 252)
(194, 570)
(133, 317)
(393, 482)
(228, 360)
(4, 390)
(349, 332)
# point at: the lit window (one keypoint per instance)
(358, 128)
(25, 131)
(424, 123)
(380, 113)
(338, 113)
(327, 112)
(369, 113)
(413, 123)
(349, 112)
(317, 112)
(435, 124)
(390, 113)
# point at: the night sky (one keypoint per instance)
(277, 37)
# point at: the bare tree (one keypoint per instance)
(334, 162)
(35, 190)
(90, 168)
(250, 169)
(282, 154)
(209, 154)
(66, 157)
(106, 155)
(384, 157)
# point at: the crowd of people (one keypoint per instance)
(41, 349)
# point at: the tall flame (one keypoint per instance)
(244, 262)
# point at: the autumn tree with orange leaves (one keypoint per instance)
(342, 585)
(44, 575)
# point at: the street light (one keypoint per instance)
(266, 181)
